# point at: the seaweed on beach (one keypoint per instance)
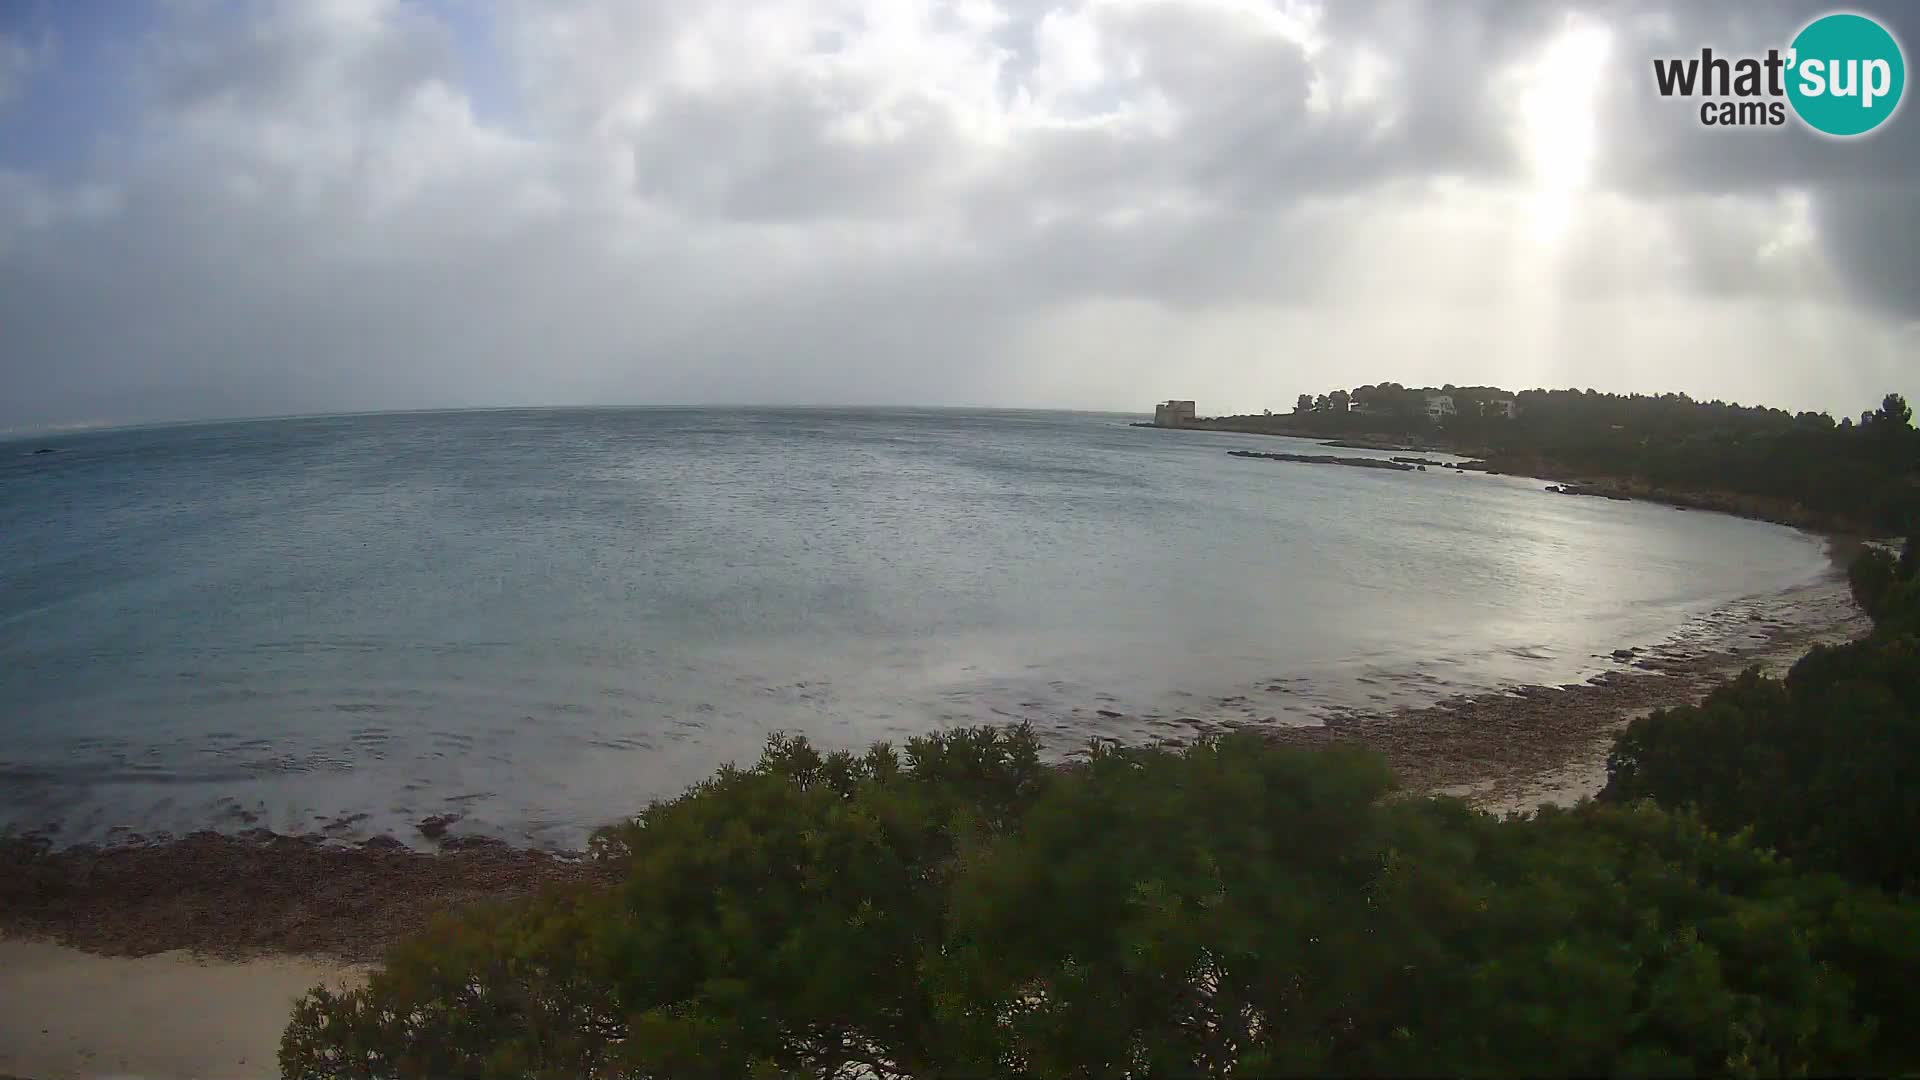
(257, 892)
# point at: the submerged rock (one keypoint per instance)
(435, 827)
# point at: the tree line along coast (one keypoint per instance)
(1859, 476)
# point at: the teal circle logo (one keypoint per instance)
(1845, 74)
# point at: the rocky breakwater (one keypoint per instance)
(1326, 459)
(1374, 442)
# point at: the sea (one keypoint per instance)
(536, 621)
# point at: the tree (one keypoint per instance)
(1236, 908)
(773, 918)
(1757, 461)
(1304, 403)
(1321, 403)
(1894, 414)
(1338, 401)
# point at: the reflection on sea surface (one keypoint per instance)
(541, 619)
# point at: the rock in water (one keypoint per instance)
(1326, 459)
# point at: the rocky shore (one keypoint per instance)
(1566, 481)
(1623, 489)
(1514, 749)
(1585, 489)
(257, 892)
(261, 893)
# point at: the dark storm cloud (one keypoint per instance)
(1862, 191)
(929, 202)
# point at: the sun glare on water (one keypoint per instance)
(1558, 130)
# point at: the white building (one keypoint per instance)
(1439, 405)
(1173, 414)
(1499, 407)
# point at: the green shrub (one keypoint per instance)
(1242, 909)
(1236, 908)
(770, 920)
(1819, 766)
(499, 991)
(1888, 588)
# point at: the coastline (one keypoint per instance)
(1511, 751)
(112, 958)
(1773, 509)
(258, 893)
(262, 893)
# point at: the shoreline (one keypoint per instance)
(262, 893)
(1772, 509)
(257, 894)
(182, 957)
(1513, 750)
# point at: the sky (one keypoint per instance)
(214, 208)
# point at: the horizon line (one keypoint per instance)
(104, 426)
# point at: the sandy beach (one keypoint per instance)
(69, 1014)
(195, 978)
(182, 958)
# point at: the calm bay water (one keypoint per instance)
(539, 619)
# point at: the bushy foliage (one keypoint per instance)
(1246, 910)
(1820, 765)
(510, 990)
(771, 921)
(1888, 588)
(1236, 908)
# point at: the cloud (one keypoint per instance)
(18, 61)
(1080, 204)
